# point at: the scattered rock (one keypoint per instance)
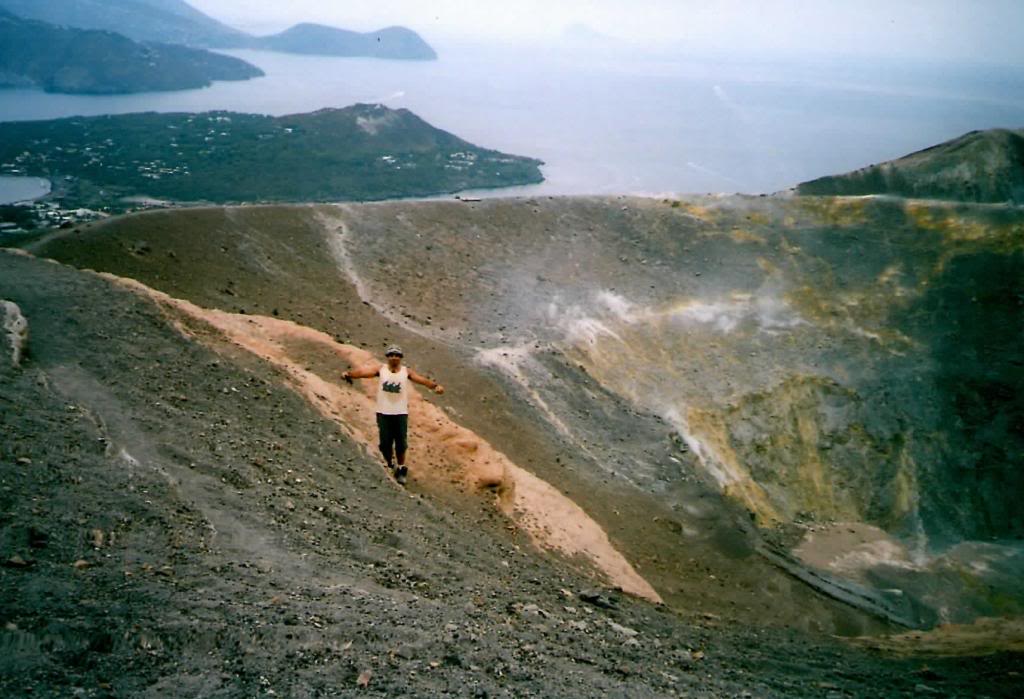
(81, 564)
(364, 678)
(598, 600)
(624, 630)
(684, 660)
(533, 610)
(37, 539)
(17, 561)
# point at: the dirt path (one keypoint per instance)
(450, 452)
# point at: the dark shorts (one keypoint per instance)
(393, 430)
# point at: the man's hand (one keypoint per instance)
(347, 376)
(438, 389)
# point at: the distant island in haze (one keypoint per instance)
(362, 152)
(166, 21)
(980, 166)
(317, 39)
(177, 22)
(82, 61)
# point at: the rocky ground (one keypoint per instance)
(698, 552)
(176, 520)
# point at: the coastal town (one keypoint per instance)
(31, 216)
(116, 164)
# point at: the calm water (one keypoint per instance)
(606, 122)
(15, 189)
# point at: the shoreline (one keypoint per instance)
(14, 189)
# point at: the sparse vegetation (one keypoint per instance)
(63, 59)
(363, 152)
(981, 166)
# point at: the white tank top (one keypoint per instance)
(393, 391)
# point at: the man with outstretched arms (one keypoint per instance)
(393, 406)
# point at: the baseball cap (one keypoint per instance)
(394, 349)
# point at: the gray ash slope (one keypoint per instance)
(230, 541)
(874, 296)
(842, 373)
(835, 366)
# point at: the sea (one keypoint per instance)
(20, 189)
(621, 120)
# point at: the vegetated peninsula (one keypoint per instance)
(81, 61)
(177, 22)
(362, 152)
(165, 21)
(980, 166)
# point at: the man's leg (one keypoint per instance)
(386, 439)
(401, 445)
(401, 437)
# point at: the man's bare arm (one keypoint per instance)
(367, 372)
(424, 381)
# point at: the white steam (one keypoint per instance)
(610, 311)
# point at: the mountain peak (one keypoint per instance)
(979, 166)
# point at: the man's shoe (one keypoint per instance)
(401, 473)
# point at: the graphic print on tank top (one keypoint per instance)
(393, 391)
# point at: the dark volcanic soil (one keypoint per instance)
(175, 521)
(274, 261)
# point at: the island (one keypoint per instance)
(163, 21)
(177, 22)
(364, 152)
(317, 39)
(36, 54)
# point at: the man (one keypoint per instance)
(393, 406)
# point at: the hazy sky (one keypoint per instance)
(985, 30)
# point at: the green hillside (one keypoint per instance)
(63, 59)
(316, 39)
(167, 21)
(360, 152)
(980, 166)
(177, 22)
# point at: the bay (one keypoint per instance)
(618, 120)
(19, 189)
